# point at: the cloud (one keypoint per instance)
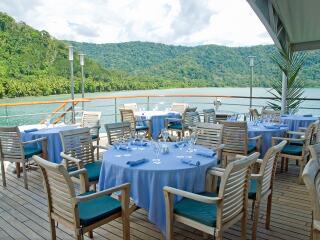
(184, 22)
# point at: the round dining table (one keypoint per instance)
(148, 179)
(267, 131)
(52, 133)
(294, 122)
(157, 119)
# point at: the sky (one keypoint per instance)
(178, 22)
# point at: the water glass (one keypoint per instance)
(156, 149)
(117, 145)
(141, 138)
(181, 144)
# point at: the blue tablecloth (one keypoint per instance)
(54, 147)
(148, 179)
(157, 119)
(294, 121)
(267, 135)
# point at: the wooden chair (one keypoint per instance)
(127, 115)
(131, 106)
(13, 150)
(117, 131)
(183, 125)
(311, 177)
(210, 136)
(261, 185)
(78, 153)
(297, 149)
(83, 212)
(254, 114)
(179, 107)
(236, 141)
(276, 115)
(209, 116)
(210, 212)
(91, 120)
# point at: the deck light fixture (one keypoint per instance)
(72, 82)
(81, 60)
(251, 64)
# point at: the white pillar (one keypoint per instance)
(284, 94)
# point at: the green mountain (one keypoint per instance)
(34, 63)
(213, 65)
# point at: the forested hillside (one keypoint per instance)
(34, 63)
(214, 65)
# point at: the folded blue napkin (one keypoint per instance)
(123, 147)
(283, 125)
(307, 115)
(272, 126)
(205, 153)
(191, 162)
(137, 162)
(139, 143)
(31, 130)
(178, 144)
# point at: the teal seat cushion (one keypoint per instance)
(141, 128)
(93, 170)
(30, 150)
(198, 211)
(176, 126)
(292, 149)
(251, 147)
(94, 137)
(253, 189)
(97, 209)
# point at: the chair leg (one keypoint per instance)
(243, 225)
(90, 234)
(300, 181)
(18, 169)
(252, 209)
(52, 229)
(3, 174)
(287, 164)
(25, 178)
(255, 220)
(218, 235)
(268, 214)
(98, 157)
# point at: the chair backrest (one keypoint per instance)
(190, 119)
(209, 134)
(315, 151)
(178, 107)
(234, 189)
(91, 119)
(311, 177)
(254, 114)
(131, 106)
(235, 137)
(127, 115)
(209, 115)
(316, 132)
(10, 144)
(268, 168)
(59, 188)
(309, 136)
(268, 112)
(78, 144)
(116, 131)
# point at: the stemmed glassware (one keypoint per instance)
(117, 144)
(47, 122)
(141, 138)
(165, 135)
(181, 144)
(156, 149)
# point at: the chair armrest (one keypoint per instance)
(302, 129)
(173, 119)
(102, 147)
(295, 133)
(78, 172)
(239, 156)
(220, 147)
(256, 138)
(72, 159)
(216, 171)
(123, 187)
(288, 139)
(259, 161)
(256, 176)
(35, 140)
(193, 196)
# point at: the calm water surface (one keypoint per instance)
(31, 113)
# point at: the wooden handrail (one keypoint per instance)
(44, 102)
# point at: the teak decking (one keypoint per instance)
(23, 214)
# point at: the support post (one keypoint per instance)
(81, 59)
(284, 94)
(251, 64)
(115, 110)
(73, 117)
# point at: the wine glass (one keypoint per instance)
(194, 138)
(181, 144)
(156, 149)
(141, 140)
(47, 122)
(117, 145)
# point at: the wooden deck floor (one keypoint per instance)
(23, 214)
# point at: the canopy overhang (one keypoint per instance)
(292, 23)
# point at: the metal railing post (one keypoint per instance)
(148, 103)
(115, 110)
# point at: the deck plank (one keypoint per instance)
(23, 214)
